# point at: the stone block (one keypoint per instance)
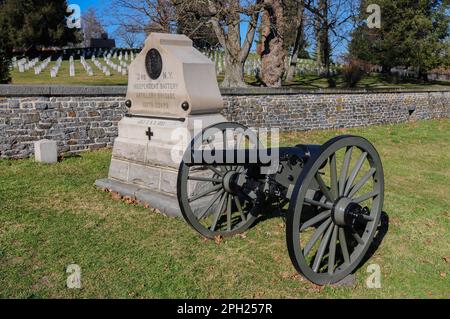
(129, 150)
(146, 176)
(119, 170)
(46, 151)
(169, 182)
(29, 118)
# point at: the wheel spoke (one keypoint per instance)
(357, 237)
(205, 211)
(328, 206)
(366, 197)
(204, 179)
(361, 183)
(215, 170)
(205, 193)
(219, 212)
(315, 237)
(239, 207)
(229, 213)
(322, 247)
(355, 172)
(324, 188)
(332, 250)
(344, 172)
(344, 247)
(333, 176)
(316, 220)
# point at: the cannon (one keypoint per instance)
(332, 195)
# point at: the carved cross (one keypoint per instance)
(149, 133)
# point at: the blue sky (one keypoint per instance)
(103, 10)
(101, 6)
(84, 4)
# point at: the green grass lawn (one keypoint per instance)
(53, 216)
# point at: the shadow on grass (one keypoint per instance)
(382, 231)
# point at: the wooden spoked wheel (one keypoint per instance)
(335, 210)
(218, 200)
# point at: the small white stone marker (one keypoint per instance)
(46, 151)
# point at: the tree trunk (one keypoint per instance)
(326, 48)
(234, 72)
(318, 33)
(273, 53)
(322, 30)
(298, 45)
(229, 36)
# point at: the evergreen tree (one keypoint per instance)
(5, 48)
(412, 34)
(30, 24)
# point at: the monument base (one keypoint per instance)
(147, 155)
(166, 204)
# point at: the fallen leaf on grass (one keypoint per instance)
(116, 196)
(447, 260)
(443, 275)
(218, 239)
(130, 200)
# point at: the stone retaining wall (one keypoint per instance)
(85, 118)
(324, 111)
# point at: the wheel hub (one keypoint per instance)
(229, 181)
(345, 212)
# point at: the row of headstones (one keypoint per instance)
(38, 69)
(103, 68)
(54, 70)
(122, 67)
(25, 64)
(252, 66)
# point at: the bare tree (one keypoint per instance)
(196, 26)
(145, 15)
(92, 26)
(334, 20)
(129, 37)
(225, 17)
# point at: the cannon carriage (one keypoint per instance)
(332, 195)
